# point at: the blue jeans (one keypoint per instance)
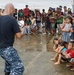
(39, 25)
(27, 30)
(13, 63)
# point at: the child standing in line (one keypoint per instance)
(72, 31)
(66, 30)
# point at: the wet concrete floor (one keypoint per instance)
(36, 52)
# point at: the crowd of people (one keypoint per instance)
(35, 22)
(46, 22)
(57, 20)
(64, 52)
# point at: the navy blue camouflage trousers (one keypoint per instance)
(13, 63)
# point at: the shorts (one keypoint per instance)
(72, 60)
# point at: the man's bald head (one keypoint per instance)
(9, 9)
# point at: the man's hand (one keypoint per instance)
(19, 35)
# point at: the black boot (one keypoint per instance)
(8, 73)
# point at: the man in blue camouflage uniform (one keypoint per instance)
(8, 29)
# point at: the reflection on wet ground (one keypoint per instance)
(36, 43)
(36, 52)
